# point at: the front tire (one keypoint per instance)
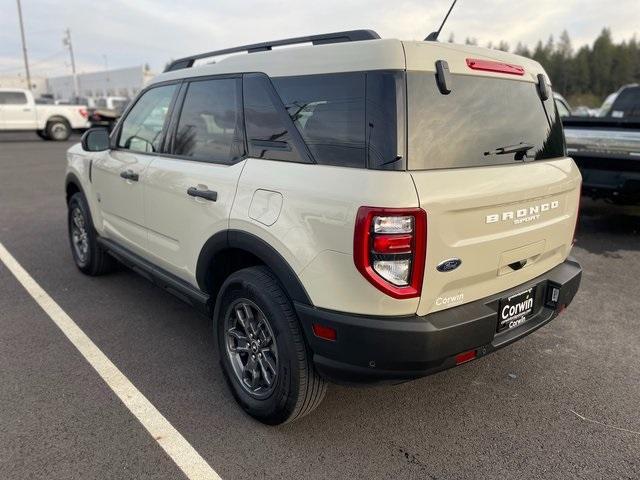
(88, 255)
(262, 350)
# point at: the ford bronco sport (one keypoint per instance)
(354, 209)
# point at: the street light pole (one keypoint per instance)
(67, 41)
(24, 46)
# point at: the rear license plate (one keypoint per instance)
(516, 309)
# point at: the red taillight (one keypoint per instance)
(324, 332)
(490, 66)
(392, 243)
(83, 112)
(389, 249)
(465, 357)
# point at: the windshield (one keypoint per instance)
(483, 121)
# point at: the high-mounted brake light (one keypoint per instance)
(491, 66)
(389, 249)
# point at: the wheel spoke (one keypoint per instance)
(240, 343)
(266, 353)
(251, 373)
(268, 378)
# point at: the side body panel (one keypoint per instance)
(121, 201)
(19, 116)
(313, 230)
(179, 224)
(71, 113)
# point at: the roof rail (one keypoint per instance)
(325, 38)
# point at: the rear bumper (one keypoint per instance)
(609, 176)
(375, 349)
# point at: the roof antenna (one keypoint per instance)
(433, 36)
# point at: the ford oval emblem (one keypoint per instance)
(448, 265)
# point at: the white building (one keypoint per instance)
(122, 82)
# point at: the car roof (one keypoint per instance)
(348, 56)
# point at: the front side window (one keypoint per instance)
(143, 128)
(210, 125)
(13, 98)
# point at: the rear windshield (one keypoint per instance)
(483, 121)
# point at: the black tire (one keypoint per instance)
(92, 259)
(42, 134)
(58, 129)
(297, 388)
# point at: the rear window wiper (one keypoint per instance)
(521, 147)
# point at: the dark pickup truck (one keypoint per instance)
(607, 148)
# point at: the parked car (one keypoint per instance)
(354, 210)
(108, 110)
(564, 110)
(112, 103)
(607, 148)
(19, 112)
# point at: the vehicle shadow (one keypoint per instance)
(606, 229)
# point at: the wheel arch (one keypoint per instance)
(231, 250)
(72, 185)
(57, 117)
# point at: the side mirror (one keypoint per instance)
(95, 140)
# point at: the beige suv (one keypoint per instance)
(353, 209)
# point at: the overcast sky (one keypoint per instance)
(132, 33)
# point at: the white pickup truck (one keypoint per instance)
(19, 112)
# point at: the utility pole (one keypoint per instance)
(66, 40)
(24, 46)
(106, 66)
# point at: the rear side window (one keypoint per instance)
(143, 127)
(267, 126)
(329, 112)
(627, 104)
(12, 98)
(483, 121)
(210, 124)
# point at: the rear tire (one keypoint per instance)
(58, 129)
(88, 255)
(42, 134)
(255, 318)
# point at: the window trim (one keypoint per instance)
(172, 128)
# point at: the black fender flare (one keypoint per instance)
(72, 178)
(237, 239)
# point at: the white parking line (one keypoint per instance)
(180, 451)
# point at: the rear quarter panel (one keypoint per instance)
(314, 227)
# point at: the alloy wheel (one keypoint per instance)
(251, 348)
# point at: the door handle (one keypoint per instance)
(206, 194)
(129, 175)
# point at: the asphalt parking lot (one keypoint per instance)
(562, 403)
